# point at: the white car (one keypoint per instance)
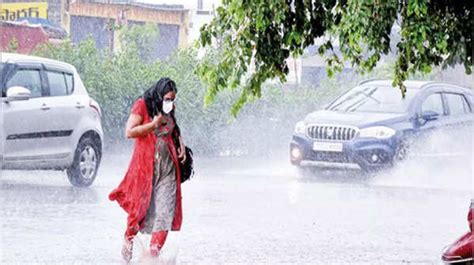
(48, 121)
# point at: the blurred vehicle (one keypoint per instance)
(48, 121)
(462, 250)
(372, 127)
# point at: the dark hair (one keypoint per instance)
(154, 95)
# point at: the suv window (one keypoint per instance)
(373, 99)
(57, 84)
(434, 103)
(29, 78)
(457, 104)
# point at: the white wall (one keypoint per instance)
(190, 4)
(197, 19)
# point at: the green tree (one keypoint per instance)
(140, 37)
(255, 38)
(117, 79)
(13, 45)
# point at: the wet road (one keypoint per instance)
(245, 211)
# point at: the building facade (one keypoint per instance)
(200, 12)
(99, 19)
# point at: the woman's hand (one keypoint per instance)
(156, 120)
(182, 151)
(136, 129)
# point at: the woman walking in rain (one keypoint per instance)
(150, 193)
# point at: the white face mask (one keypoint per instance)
(168, 106)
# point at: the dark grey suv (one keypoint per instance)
(371, 126)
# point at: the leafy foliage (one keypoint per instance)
(256, 37)
(13, 45)
(140, 37)
(115, 80)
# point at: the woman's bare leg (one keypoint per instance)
(127, 247)
(157, 242)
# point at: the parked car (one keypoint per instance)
(462, 250)
(372, 127)
(48, 120)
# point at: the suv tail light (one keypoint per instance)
(93, 104)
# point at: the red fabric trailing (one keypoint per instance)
(134, 192)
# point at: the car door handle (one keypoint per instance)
(45, 107)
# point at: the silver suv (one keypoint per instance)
(48, 121)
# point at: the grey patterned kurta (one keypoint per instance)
(160, 213)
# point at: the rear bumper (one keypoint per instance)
(368, 154)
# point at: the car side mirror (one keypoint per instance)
(429, 115)
(18, 93)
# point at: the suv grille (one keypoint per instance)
(331, 132)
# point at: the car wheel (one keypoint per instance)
(86, 162)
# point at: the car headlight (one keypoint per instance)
(379, 132)
(300, 127)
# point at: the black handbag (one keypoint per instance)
(187, 168)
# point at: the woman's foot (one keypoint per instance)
(154, 251)
(127, 249)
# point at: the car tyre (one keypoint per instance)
(86, 162)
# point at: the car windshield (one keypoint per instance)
(373, 99)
